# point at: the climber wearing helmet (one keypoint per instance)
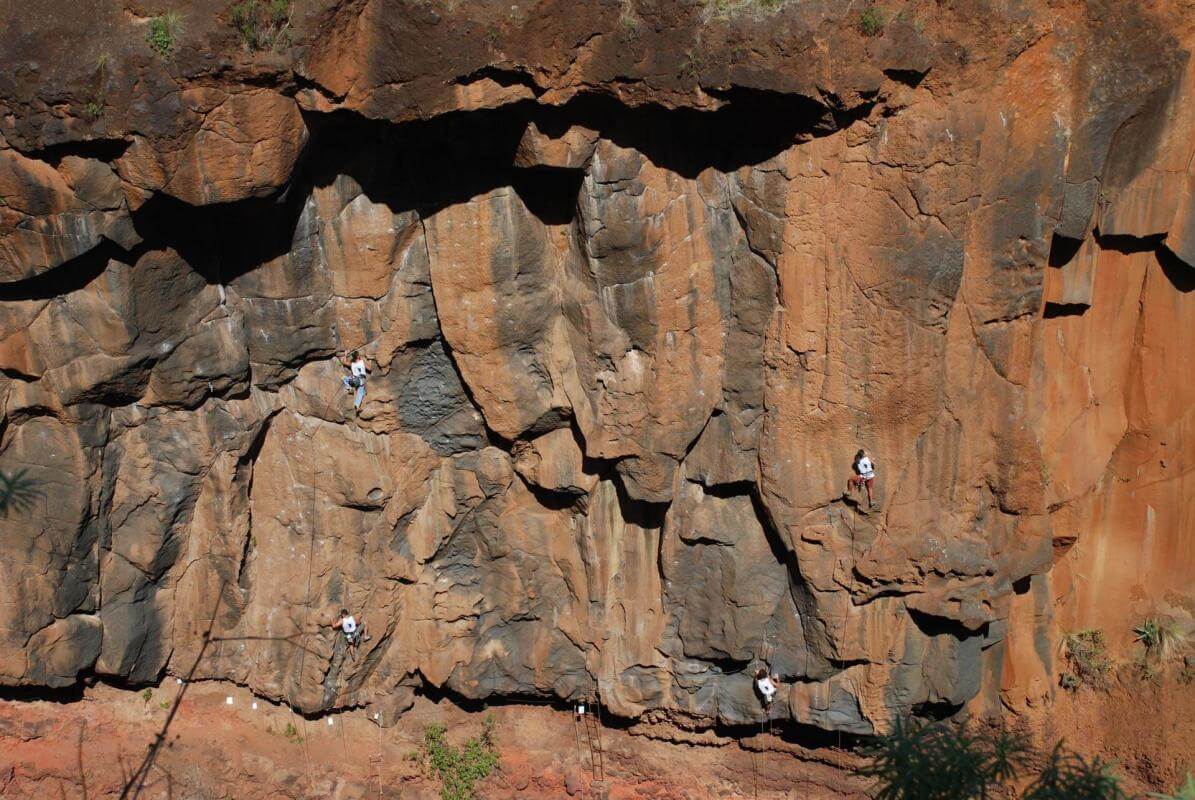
(864, 476)
(353, 632)
(358, 372)
(765, 684)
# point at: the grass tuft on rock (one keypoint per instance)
(163, 33)
(263, 24)
(727, 8)
(871, 21)
(1163, 639)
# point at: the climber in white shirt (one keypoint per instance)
(353, 632)
(765, 684)
(865, 474)
(358, 372)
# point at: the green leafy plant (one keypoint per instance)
(460, 768)
(1162, 639)
(147, 695)
(163, 33)
(871, 21)
(291, 733)
(263, 24)
(165, 704)
(17, 491)
(1086, 652)
(94, 107)
(936, 762)
(940, 762)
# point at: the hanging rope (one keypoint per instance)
(303, 651)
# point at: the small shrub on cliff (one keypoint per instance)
(263, 24)
(163, 33)
(17, 491)
(871, 21)
(938, 762)
(460, 768)
(1162, 639)
(1087, 654)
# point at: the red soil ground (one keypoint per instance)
(85, 749)
(221, 751)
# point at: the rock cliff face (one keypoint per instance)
(636, 279)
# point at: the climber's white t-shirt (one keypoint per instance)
(358, 368)
(766, 687)
(348, 624)
(866, 468)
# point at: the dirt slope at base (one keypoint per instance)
(216, 750)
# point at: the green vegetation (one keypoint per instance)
(165, 704)
(460, 768)
(163, 33)
(147, 695)
(17, 491)
(291, 734)
(1162, 639)
(871, 21)
(94, 107)
(1086, 652)
(263, 24)
(938, 762)
(1184, 792)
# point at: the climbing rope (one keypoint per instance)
(303, 651)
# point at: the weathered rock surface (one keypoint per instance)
(634, 284)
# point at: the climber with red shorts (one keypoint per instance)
(865, 474)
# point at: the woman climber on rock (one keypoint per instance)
(358, 372)
(865, 474)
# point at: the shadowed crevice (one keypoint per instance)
(1180, 274)
(1056, 310)
(1062, 250)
